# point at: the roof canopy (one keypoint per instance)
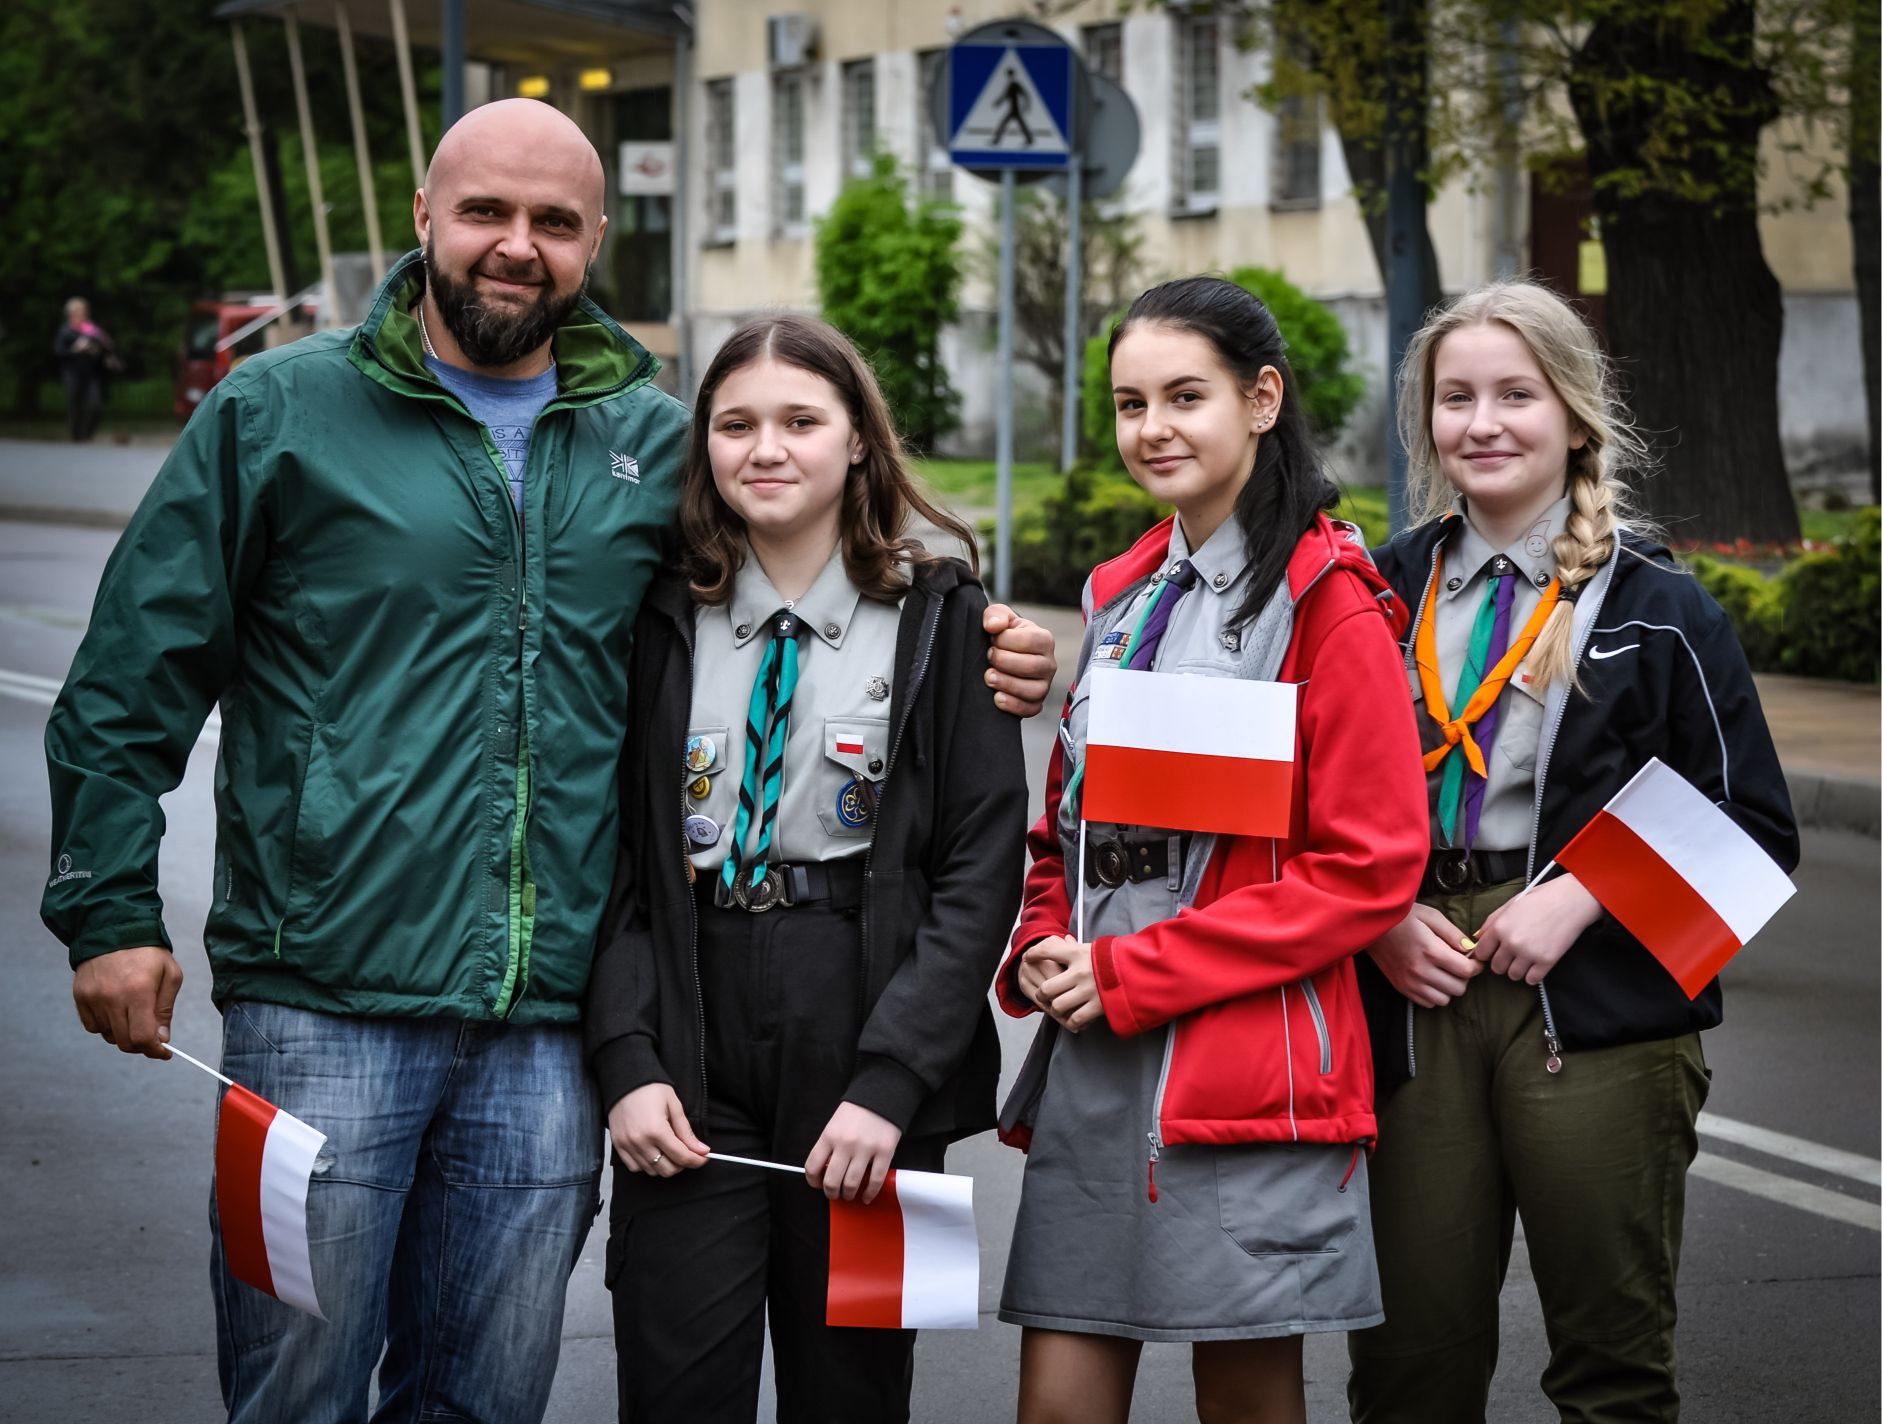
(527, 33)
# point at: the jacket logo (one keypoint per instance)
(1612, 652)
(67, 873)
(624, 467)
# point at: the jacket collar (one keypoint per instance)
(595, 359)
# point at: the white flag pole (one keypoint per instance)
(753, 1162)
(171, 1048)
(1533, 883)
(1080, 914)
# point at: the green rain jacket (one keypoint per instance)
(422, 697)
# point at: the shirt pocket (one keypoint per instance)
(849, 775)
(1520, 734)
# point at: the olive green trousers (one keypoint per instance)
(1593, 1158)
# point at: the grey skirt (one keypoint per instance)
(1242, 1242)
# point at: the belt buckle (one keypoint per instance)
(1452, 871)
(767, 894)
(1110, 863)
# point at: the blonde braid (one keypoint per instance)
(1583, 546)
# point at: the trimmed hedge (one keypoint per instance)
(1095, 516)
(1818, 617)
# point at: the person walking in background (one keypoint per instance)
(823, 824)
(417, 631)
(1533, 1057)
(1197, 1105)
(87, 358)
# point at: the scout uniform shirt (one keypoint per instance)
(837, 747)
(1469, 563)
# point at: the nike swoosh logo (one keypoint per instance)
(1611, 652)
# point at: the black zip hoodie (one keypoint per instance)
(942, 875)
(1663, 675)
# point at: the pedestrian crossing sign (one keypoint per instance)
(1010, 105)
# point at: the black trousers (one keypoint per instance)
(694, 1260)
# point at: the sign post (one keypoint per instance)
(1014, 95)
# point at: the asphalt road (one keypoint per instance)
(104, 1172)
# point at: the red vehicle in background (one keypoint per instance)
(222, 333)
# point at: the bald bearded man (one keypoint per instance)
(405, 560)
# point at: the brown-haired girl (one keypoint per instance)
(823, 817)
(1533, 1058)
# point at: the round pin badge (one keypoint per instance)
(701, 752)
(702, 831)
(699, 787)
(854, 803)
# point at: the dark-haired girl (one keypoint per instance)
(823, 814)
(1197, 1106)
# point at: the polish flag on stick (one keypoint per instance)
(264, 1158)
(1679, 873)
(910, 1260)
(1190, 753)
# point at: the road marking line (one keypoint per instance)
(1833, 1160)
(1803, 1196)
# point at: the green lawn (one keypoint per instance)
(972, 484)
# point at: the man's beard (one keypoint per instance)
(496, 334)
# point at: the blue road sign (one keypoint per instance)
(1010, 105)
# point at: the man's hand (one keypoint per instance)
(1072, 993)
(1042, 960)
(650, 1131)
(1425, 958)
(1021, 663)
(852, 1158)
(1524, 938)
(127, 997)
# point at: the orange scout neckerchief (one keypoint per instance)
(1457, 729)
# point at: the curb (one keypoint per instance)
(1836, 803)
(52, 514)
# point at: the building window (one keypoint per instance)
(1297, 152)
(721, 163)
(1104, 50)
(787, 154)
(859, 117)
(936, 168)
(1198, 114)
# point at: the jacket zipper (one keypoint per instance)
(516, 977)
(931, 623)
(692, 906)
(1545, 752)
(1312, 996)
(1411, 644)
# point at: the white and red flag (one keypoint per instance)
(910, 1260)
(1679, 873)
(1190, 753)
(263, 1160)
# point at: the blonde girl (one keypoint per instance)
(1533, 1058)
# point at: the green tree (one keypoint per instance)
(1667, 102)
(889, 278)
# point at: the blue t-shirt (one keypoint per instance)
(508, 408)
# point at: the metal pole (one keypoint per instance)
(271, 240)
(453, 58)
(369, 200)
(1404, 225)
(408, 90)
(682, 211)
(1003, 427)
(1074, 298)
(311, 152)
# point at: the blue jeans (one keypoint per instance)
(461, 1172)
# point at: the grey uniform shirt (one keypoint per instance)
(839, 730)
(1509, 797)
(1197, 639)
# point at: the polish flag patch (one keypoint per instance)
(264, 1158)
(1679, 873)
(910, 1260)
